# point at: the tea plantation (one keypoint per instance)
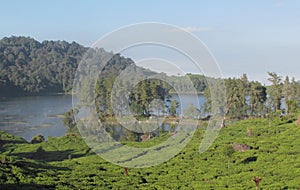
(272, 153)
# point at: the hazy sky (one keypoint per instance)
(251, 37)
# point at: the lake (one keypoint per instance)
(29, 116)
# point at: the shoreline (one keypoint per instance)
(22, 94)
(34, 95)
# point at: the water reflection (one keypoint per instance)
(29, 116)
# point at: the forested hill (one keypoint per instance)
(28, 66)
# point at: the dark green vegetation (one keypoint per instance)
(143, 93)
(67, 163)
(246, 98)
(31, 67)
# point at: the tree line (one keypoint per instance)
(31, 67)
(252, 99)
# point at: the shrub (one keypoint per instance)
(37, 139)
(297, 122)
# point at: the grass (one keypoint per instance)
(67, 163)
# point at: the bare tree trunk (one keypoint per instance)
(223, 123)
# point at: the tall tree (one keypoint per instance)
(294, 90)
(257, 99)
(286, 89)
(144, 97)
(245, 88)
(291, 95)
(275, 91)
(286, 92)
(236, 98)
(173, 107)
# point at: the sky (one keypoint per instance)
(252, 37)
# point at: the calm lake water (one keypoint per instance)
(29, 116)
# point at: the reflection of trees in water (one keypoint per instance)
(120, 133)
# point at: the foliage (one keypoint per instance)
(67, 162)
(297, 122)
(251, 99)
(184, 84)
(236, 93)
(275, 91)
(37, 139)
(258, 97)
(290, 92)
(292, 106)
(228, 152)
(28, 66)
(69, 121)
(243, 98)
(173, 107)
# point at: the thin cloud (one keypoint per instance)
(198, 29)
(194, 29)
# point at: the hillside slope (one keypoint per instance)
(67, 163)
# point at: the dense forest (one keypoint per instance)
(31, 67)
(28, 66)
